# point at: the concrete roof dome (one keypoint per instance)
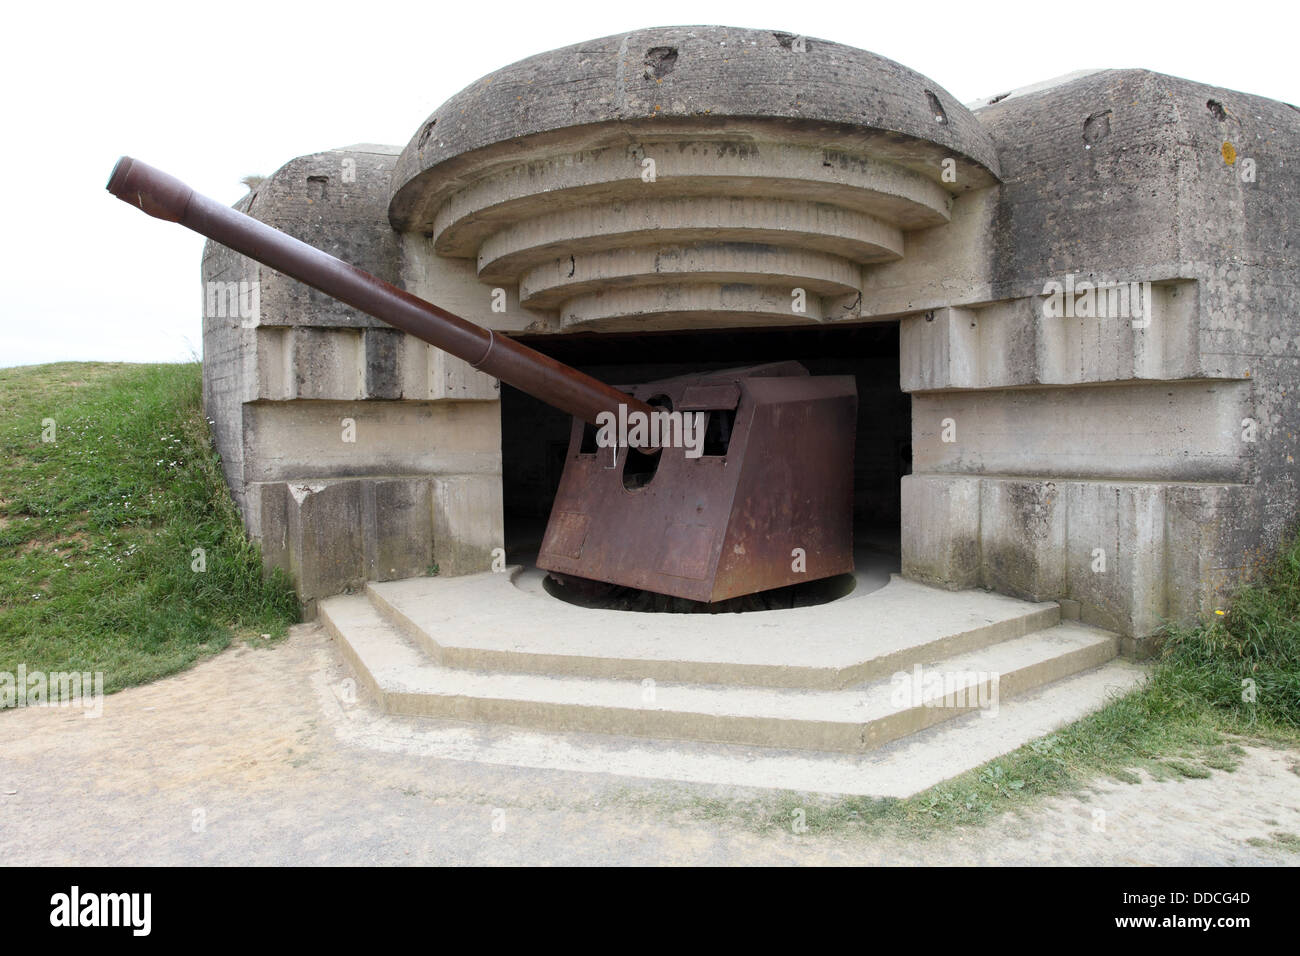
(676, 78)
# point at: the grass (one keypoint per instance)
(1230, 680)
(108, 485)
(1283, 840)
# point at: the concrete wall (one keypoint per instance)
(1135, 470)
(354, 451)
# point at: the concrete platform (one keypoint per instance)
(876, 692)
(508, 622)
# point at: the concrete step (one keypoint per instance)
(505, 623)
(899, 769)
(406, 681)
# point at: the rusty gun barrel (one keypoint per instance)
(166, 197)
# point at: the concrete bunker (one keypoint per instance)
(732, 186)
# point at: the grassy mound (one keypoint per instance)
(120, 548)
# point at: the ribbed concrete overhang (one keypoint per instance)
(688, 176)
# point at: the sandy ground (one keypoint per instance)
(253, 758)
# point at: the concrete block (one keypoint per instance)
(327, 364)
(1147, 330)
(285, 441)
(941, 530)
(1186, 431)
(988, 347)
(382, 374)
(468, 523)
(269, 373)
(398, 527)
(1215, 539)
(926, 348)
(453, 379)
(266, 517)
(1022, 538)
(326, 537)
(330, 535)
(1116, 555)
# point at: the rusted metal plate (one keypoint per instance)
(793, 506)
(775, 509)
(565, 534)
(688, 550)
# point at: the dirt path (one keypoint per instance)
(252, 758)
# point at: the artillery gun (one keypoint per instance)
(704, 487)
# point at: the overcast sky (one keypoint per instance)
(218, 91)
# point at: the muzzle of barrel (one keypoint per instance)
(160, 195)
